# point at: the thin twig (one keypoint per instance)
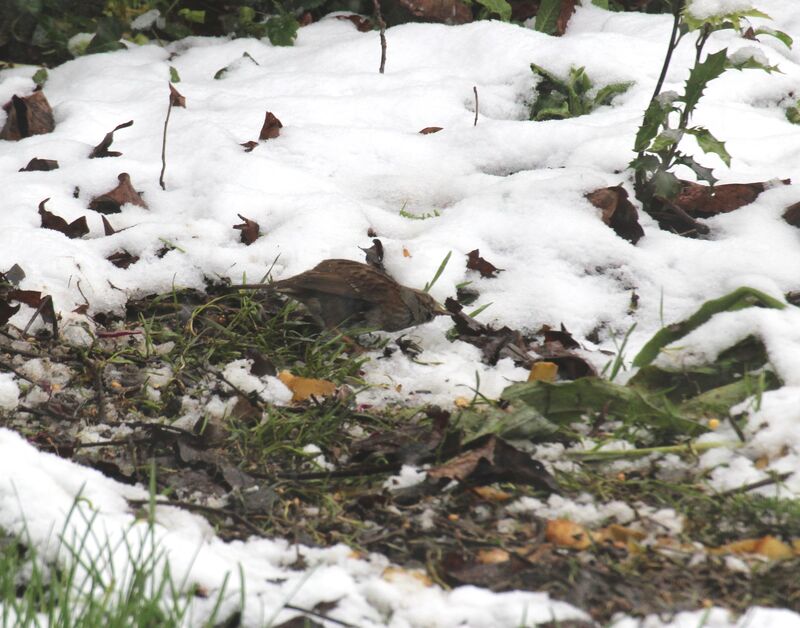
(320, 615)
(164, 148)
(382, 25)
(681, 213)
(199, 508)
(344, 473)
(780, 477)
(475, 91)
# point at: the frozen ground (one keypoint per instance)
(350, 158)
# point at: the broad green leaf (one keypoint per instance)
(666, 140)
(106, 38)
(646, 163)
(519, 421)
(666, 184)
(779, 35)
(607, 93)
(603, 4)
(498, 7)
(197, 17)
(547, 16)
(738, 299)
(174, 77)
(282, 30)
(40, 77)
(710, 144)
(700, 75)
(701, 172)
(752, 64)
(582, 399)
(654, 118)
(579, 81)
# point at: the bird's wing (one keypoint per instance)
(341, 278)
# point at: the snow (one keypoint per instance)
(350, 158)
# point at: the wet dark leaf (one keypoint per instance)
(490, 459)
(29, 115)
(122, 259)
(74, 229)
(101, 150)
(41, 165)
(271, 127)
(249, 230)
(618, 212)
(476, 262)
(111, 202)
(176, 99)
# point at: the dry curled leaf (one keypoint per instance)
(566, 533)
(567, 9)
(249, 146)
(476, 262)
(176, 99)
(543, 372)
(101, 150)
(111, 202)
(792, 215)
(363, 24)
(702, 200)
(430, 129)
(271, 127)
(74, 229)
(490, 459)
(447, 11)
(249, 230)
(107, 228)
(29, 115)
(122, 259)
(41, 165)
(618, 212)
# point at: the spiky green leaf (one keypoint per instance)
(710, 144)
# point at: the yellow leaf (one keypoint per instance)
(461, 402)
(543, 372)
(406, 252)
(491, 494)
(492, 556)
(303, 388)
(713, 424)
(767, 546)
(566, 533)
(398, 574)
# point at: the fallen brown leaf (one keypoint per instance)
(430, 129)
(476, 262)
(271, 127)
(447, 11)
(176, 99)
(101, 150)
(249, 230)
(111, 202)
(29, 115)
(618, 212)
(41, 165)
(74, 229)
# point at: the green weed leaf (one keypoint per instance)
(666, 184)
(547, 17)
(700, 75)
(710, 144)
(738, 299)
(498, 7)
(282, 30)
(606, 94)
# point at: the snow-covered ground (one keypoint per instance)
(349, 159)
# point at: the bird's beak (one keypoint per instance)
(440, 310)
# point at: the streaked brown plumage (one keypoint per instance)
(347, 294)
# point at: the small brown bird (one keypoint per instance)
(343, 293)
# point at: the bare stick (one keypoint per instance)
(382, 24)
(164, 149)
(475, 91)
